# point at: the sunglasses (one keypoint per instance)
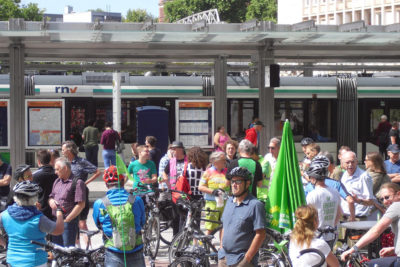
(271, 147)
(237, 181)
(385, 198)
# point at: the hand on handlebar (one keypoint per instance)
(217, 192)
(345, 255)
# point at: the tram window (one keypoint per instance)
(375, 119)
(292, 110)
(320, 120)
(241, 114)
(394, 114)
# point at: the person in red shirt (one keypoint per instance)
(252, 133)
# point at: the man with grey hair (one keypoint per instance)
(246, 151)
(359, 184)
(81, 168)
(69, 194)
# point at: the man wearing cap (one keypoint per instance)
(173, 170)
(5, 179)
(22, 173)
(252, 133)
(392, 165)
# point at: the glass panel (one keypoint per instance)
(320, 120)
(375, 118)
(394, 114)
(292, 110)
(241, 114)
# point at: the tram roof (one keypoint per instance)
(126, 42)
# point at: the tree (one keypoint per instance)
(264, 10)
(232, 11)
(31, 12)
(137, 15)
(11, 9)
(96, 10)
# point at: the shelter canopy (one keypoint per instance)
(124, 42)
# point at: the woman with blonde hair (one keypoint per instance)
(376, 169)
(303, 237)
(213, 184)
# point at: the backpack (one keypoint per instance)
(123, 224)
(182, 184)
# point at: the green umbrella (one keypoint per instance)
(286, 192)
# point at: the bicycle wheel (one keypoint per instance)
(165, 235)
(190, 262)
(182, 241)
(267, 258)
(153, 236)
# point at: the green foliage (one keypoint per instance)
(31, 12)
(137, 15)
(263, 10)
(97, 10)
(231, 11)
(11, 9)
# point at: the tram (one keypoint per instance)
(309, 102)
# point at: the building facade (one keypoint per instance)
(373, 12)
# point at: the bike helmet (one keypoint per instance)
(111, 175)
(319, 167)
(239, 172)
(19, 172)
(27, 188)
(306, 141)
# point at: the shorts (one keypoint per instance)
(84, 213)
(214, 216)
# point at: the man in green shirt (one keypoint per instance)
(90, 138)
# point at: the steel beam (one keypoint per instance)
(220, 88)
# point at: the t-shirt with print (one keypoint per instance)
(194, 175)
(214, 179)
(327, 202)
(141, 172)
(393, 213)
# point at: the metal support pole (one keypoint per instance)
(117, 101)
(17, 104)
(266, 97)
(220, 87)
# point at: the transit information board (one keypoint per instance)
(4, 119)
(45, 123)
(195, 122)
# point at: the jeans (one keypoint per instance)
(67, 239)
(115, 259)
(91, 154)
(385, 262)
(108, 157)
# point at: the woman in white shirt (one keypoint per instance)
(303, 237)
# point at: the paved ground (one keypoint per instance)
(97, 190)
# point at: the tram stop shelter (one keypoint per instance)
(24, 45)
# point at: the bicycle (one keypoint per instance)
(73, 256)
(151, 229)
(185, 237)
(193, 256)
(327, 231)
(274, 251)
(356, 259)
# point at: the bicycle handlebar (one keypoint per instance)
(277, 235)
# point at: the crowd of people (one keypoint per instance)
(234, 180)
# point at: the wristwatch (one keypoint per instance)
(356, 249)
(60, 208)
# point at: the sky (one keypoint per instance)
(122, 6)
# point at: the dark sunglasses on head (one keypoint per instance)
(384, 198)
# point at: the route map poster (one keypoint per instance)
(4, 119)
(195, 123)
(45, 120)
